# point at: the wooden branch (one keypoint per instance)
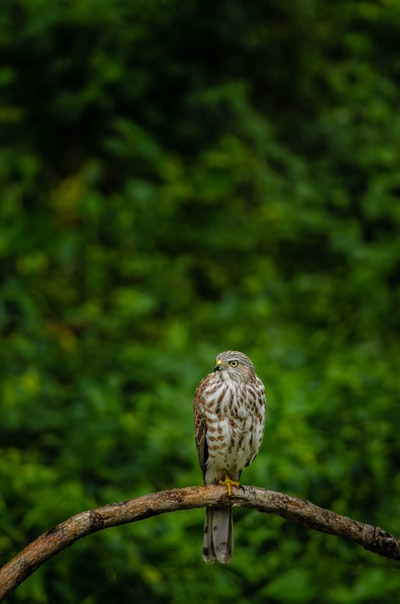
(61, 536)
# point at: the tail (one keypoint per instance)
(218, 535)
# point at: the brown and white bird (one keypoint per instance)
(229, 413)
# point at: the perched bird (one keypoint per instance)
(229, 413)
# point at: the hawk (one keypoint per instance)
(229, 413)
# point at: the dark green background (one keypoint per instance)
(180, 178)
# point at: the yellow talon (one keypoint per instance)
(229, 484)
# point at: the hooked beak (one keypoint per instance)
(218, 365)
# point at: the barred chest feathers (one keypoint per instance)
(235, 426)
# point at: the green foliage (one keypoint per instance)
(178, 180)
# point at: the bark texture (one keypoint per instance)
(370, 537)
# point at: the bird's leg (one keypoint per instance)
(229, 483)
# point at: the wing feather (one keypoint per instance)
(200, 424)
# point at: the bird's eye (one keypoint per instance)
(233, 363)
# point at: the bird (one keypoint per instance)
(229, 414)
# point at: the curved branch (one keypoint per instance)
(61, 536)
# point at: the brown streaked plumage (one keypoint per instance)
(229, 414)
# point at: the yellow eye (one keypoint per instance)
(233, 363)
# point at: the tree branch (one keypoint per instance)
(61, 536)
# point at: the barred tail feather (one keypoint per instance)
(218, 535)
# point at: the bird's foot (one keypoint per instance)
(229, 484)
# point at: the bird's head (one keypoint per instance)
(234, 365)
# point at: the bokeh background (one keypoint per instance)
(180, 178)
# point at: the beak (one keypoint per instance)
(218, 365)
